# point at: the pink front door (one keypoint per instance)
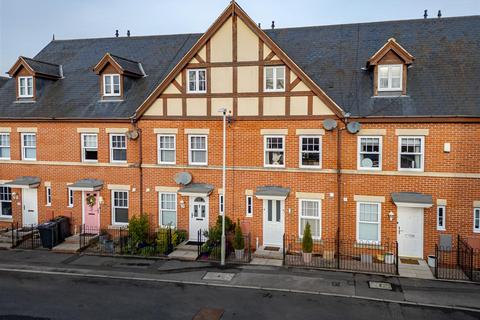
(91, 213)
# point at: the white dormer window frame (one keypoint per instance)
(197, 81)
(390, 77)
(277, 80)
(25, 87)
(112, 86)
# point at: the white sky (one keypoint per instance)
(26, 26)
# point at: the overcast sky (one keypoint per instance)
(26, 26)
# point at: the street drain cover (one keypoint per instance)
(222, 276)
(379, 285)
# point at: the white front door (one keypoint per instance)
(273, 222)
(410, 232)
(29, 207)
(198, 217)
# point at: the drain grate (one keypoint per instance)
(222, 276)
(379, 285)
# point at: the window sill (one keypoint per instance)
(368, 245)
(369, 169)
(117, 226)
(410, 170)
(6, 219)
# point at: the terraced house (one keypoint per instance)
(368, 131)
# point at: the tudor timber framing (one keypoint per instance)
(235, 11)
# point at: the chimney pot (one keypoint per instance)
(128, 33)
(425, 14)
(439, 15)
(273, 24)
(116, 33)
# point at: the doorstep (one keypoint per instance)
(420, 270)
(266, 262)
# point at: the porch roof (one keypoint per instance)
(412, 199)
(196, 189)
(272, 192)
(24, 182)
(87, 185)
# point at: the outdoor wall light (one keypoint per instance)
(100, 200)
(182, 204)
(14, 196)
(391, 215)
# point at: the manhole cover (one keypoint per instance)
(222, 276)
(379, 285)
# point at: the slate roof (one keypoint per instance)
(274, 191)
(76, 96)
(3, 80)
(200, 188)
(46, 68)
(444, 79)
(128, 65)
(411, 197)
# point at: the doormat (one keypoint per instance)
(271, 248)
(409, 261)
(209, 314)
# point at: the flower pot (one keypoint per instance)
(389, 258)
(307, 257)
(239, 254)
(432, 261)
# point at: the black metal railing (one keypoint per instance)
(120, 241)
(342, 255)
(460, 261)
(25, 237)
(210, 249)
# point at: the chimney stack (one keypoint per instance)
(425, 14)
(273, 24)
(128, 33)
(439, 15)
(116, 33)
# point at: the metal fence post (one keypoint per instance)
(249, 247)
(337, 249)
(437, 258)
(283, 249)
(471, 263)
(13, 235)
(458, 251)
(396, 258)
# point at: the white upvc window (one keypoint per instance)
(476, 220)
(411, 153)
(119, 207)
(220, 204)
(390, 77)
(274, 151)
(249, 206)
(4, 146)
(309, 211)
(118, 148)
(5, 202)
(441, 216)
(168, 209)
(70, 198)
(198, 150)
(274, 78)
(166, 149)
(310, 152)
(111, 85)
(29, 146)
(369, 153)
(197, 80)
(368, 222)
(48, 196)
(25, 87)
(89, 147)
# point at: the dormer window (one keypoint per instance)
(390, 77)
(111, 85)
(389, 65)
(25, 87)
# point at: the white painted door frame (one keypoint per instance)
(29, 206)
(410, 221)
(273, 226)
(196, 220)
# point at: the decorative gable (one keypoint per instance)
(231, 63)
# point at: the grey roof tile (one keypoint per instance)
(46, 68)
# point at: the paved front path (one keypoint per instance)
(354, 287)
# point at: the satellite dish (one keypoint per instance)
(329, 124)
(367, 163)
(132, 134)
(183, 178)
(353, 127)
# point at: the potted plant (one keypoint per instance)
(307, 244)
(389, 258)
(238, 242)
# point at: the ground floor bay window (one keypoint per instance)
(368, 222)
(310, 212)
